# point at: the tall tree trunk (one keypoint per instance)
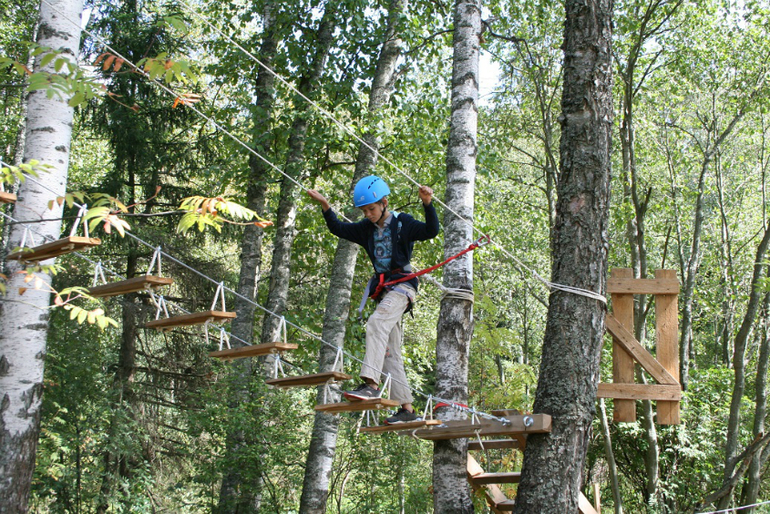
(234, 495)
(569, 372)
(323, 443)
(610, 455)
(455, 325)
(24, 320)
(739, 365)
(751, 489)
(280, 272)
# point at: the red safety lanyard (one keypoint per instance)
(484, 240)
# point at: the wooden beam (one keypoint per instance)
(584, 506)
(662, 285)
(661, 392)
(411, 425)
(309, 380)
(186, 320)
(55, 248)
(255, 350)
(497, 478)
(667, 341)
(537, 424)
(131, 285)
(373, 404)
(7, 197)
(622, 362)
(492, 493)
(640, 354)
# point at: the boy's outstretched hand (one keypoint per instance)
(318, 197)
(426, 195)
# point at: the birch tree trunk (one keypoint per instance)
(323, 443)
(451, 492)
(553, 463)
(24, 319)
(233, 496)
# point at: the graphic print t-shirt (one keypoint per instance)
(383, 248)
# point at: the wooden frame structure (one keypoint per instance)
(627, 351)
(7, 197)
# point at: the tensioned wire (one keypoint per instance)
(450, 403)
(351, 132)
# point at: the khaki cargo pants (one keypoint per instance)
(383, 343)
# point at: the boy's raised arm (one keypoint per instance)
(318, 197)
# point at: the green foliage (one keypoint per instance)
(207, 212)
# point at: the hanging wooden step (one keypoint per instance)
(535, 424)
(493, 444)
(55, 249)
(309, 380)
(359, 406)
(131, 285)
(255, 350)
(411, 425)
(195, 318)
(7, 197)
(497, 478)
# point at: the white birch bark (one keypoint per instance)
(455, 326)
(24, 318)
(323, 444)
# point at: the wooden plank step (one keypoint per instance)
(195, 318)
(309, 380)
(131, 285)
(538, 424)
(493, 444)
(663, 392)
(55, 248)
(642, 285)
(373, 404)
(493, 494)
(254, 350)
(505, 506)
(496, 478)
(7, 197)
(411, 425)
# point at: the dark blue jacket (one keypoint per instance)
(404, 230)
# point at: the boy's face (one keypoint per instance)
(373, 211)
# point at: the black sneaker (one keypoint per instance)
(402, 416)
(362, 392)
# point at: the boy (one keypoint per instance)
(388, 238)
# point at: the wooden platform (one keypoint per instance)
(497, 478)
(196, 318)
(400, 426)
(309, 380)
(55, 248)
(493, 444)
(255, 350)
(541, 423)
(131, 285)
(373, 404)
(7, 197)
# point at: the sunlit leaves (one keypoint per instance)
(205, 212)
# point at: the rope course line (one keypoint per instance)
(733, 509)
(551, 285)
(159, 251)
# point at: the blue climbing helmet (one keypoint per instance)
(369, 190)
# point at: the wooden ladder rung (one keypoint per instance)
(411, 425)
(359, 406)
(131, 285)
(505, 506)
(496, 478)
(254, 350)
(309, 380)
(493, 444)
(55, 248)
(7, 197)
(195, 318)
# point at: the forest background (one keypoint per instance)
(135, 420)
